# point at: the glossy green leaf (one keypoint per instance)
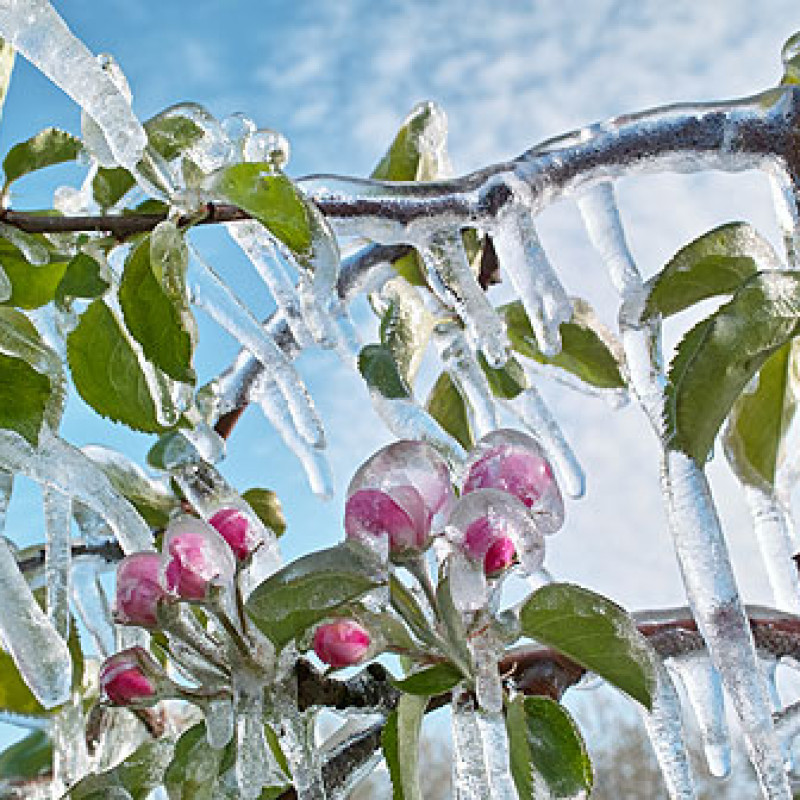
(380, 371)
(107, 372)
(596, 633)
(587, 347)
(400, 742)
(48, 147)
(110, 184)
(757, 425)
(24, 395)
(716, 263)
(195, 766)
(84, 278)
(430, 681)
(28, 758)
(269, 197)
(156, 314)
(169, 133)
(32, 285)
(507, 381)
(15, 696)
(548, 756)
(267, 507)
(446, 405)
(311, 589)
(717, 358)
(411, 268)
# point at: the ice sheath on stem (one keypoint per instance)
(58, 557)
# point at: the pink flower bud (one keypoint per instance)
(235, 529)
(139, 589)
(399, 514)
(342, 643)
(122, 679)
(197, 555)
(499, 557)
(486, 540)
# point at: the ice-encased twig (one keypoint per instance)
(462, 366)
(452, 280)
(523, 259)
(40, 654)
(35, 29)
(58, 557)
(772, 527)
(91, 604)
(209, 293)
(70, 753)
(717, 608)
(57, 464)
(298, 742)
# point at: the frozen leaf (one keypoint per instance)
(790, 55)
(169, 135)
(400, 742)
(83, 278)
(548, 756)
(28, 758)
(267, 507)
(596, 633)
(110, 184)
(157, 316)
(404, 603)
(192, 775)
(717, 358)
(32, 286)
(758, 422)
(716, 263)
(48, 147)
(15, 696)
(587, 347)
(507, 381)
(446, 405)
(311, 589)
(107, 372)
(24, 395)
(430, 681)
(380, 371)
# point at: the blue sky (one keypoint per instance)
(337, 79)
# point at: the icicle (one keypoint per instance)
(453, 281)
(717, 608)
(485, 653)
(529, 408)
(61, 466)
(773, 533)
(220, 722)
(298, 742)
(91, 604)
(58, 557)
(786, 212)
(523, 259)
(665, 730)
(215, 298)
(6, 486)
(704, 691)
(70, 753)
(466, 372)
(41, 655)
(35, 29)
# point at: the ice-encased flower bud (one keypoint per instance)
(342, 643)
(140, 588)
(123, 680)
(499, 557)
(486, 541)
(514, 462)
(236, 530)
(197, 556)
(403, 491)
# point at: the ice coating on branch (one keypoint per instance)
(35, 29)
(58, 557)
(91, 604)
(451, 278)
(665, 730)
(40, 654)
(465, 371)
(523, 259)
(717, 608)
(486, 651)
(211, 295)
(58, 464)
(70, 753)
(772, 527)
(703, 687)
(220, 721)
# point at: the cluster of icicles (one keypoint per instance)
(314, 313)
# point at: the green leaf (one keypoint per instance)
(267, 507)
(269, 197)
(28, 758)
(790, 53)
(156, 311)
(548, 756)
(404, 603)
(507, 381)
(757, 426)
(83, 278)
(446, 405)
(311, 589)
(138, 774)
(7, 55)
(24, 397)
(595, 632)
(379, 369)
(169, 133)
(411, 268)
(110, 184)
(588, 348)
(400, 742)
(716, 263)
(48, 147)
(32, 285)
(717, 358)
(192, 775)
(15, 696)
(453, 622)
(431, 681)
(108, 375)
